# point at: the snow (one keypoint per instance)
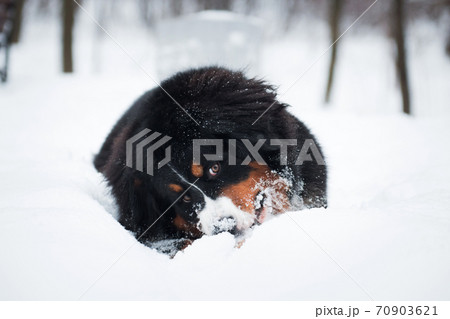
(385, 235)
(222, 215)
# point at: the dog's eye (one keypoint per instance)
(187, 198)
(214, 169)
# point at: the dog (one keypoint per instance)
(191, 195)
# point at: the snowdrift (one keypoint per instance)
(385, 234)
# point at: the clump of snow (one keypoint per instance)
(222, 215)
(269, 196)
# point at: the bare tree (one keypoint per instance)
(447, 45)
(335, 17)
(68, 15)
(176, 7)
(17, 22)
(250, 6)
(398, 32)
(215, 4)
(292, 8)
(146, 12)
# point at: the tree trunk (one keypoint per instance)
(17, 22)
(215, 4)
(176, 8)
(68, 14)
(398, 31)
(335, 17)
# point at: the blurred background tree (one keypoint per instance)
(15, 36)
(398, 33)
(335, 8)
(391, 18)
(68, 17)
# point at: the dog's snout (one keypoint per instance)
(225, 224)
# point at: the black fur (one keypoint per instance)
(225, 104)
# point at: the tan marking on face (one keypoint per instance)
(197, 170)
(243, 194)
(189, 228)
(176, 188)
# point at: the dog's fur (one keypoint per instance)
(225, 104)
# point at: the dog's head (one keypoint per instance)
(237, 191)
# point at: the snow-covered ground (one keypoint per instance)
(385, 235)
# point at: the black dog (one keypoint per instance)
(189, 197)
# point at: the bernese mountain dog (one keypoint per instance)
(267, 164)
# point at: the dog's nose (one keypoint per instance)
(225, 224)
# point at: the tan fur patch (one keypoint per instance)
(176, 188)
(183, 225)
(197, 170)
